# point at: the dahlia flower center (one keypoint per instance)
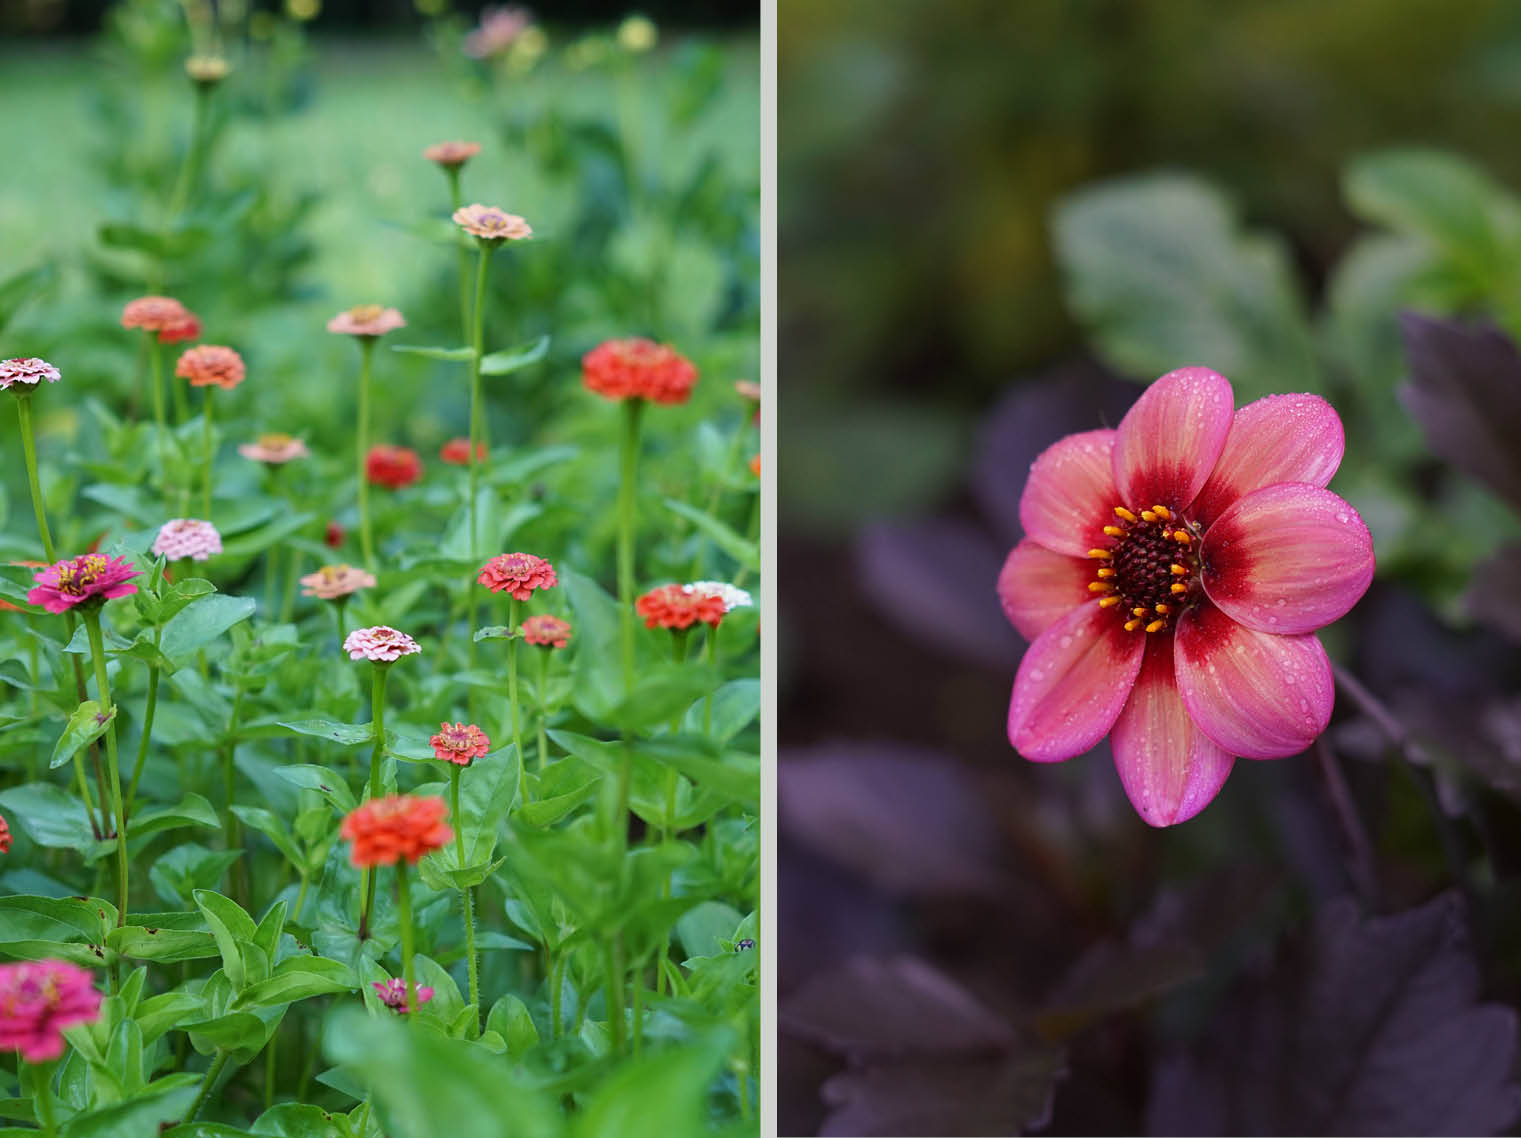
(1150, 570)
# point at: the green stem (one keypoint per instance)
(512, 674)
(229, 775)
(404, 903)
(103, 687)
(556, 990)
(477, 344)
(378, 725)
(614, 980)
(148, 714)
(269, 1069)
(213, 1073)
(707, 703)
(464, 258)
(718, 488)
(628, 469)
(301, 896)
(29, 446)
(43, 1101)
(543, 655)
(362, 445)
(455, 771)
(210, 454)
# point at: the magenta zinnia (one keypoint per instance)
(1172, 576)
(39, 999)
(77, 580)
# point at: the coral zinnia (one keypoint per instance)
(392, 467)
(638, 369)
(456, 452)
(678, 607)
(91, 578)
(187, 537)
(518, 574)
(459, 743)
(491, 224)
(1171, 578)
(189, 328)
(274, 449)
(155, 314)
(366, 320)
(211, 365)
(385, 830)
(380, 643)
(332, 582)
(38, 1000)
(452, 153)
(28, 372)
(546, 631)
(393, 993)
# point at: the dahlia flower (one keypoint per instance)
(187, 537)
(732, 596)
(381, 644)
(382, 831)
(638, 369)
(211, 365)
(393, 993)
(366, 320)
(39, 999)
(334, 582)
(546, 631)
(459, 743)
(28, 372)
(679, 607)
(1172, 576)
(491, 224)
(274, 449)
(452, 154)
(90, 579)
(456, 452)
(517, 574)
(392, 467)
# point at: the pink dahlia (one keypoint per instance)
(366, 320)
(1172, 576)
(28, 372)
(93, 577)
(547, 631)
(491, 224)
(381, 644)
(39, 999)
(274, 450)
(517, 574)
(638, 369)
(393, 993)
(187, 537)
(452, 154)
(460, 743)
(211, 365)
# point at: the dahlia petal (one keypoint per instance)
(1289, 559)
(1167, 443)
(1072, 684)
(1037, 587)
(1256, 694)
(1171, 769)
(1069, 496)
(1279, 438)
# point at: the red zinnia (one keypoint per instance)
(391, 466)
(332, 536)
(638, 369)
(459, 743)
(679, 607)
(456, 452)
(518, 574)
(385, 830)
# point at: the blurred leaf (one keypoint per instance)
(344, 734)
(18, 288)
(50, 815)
(171, 245)
(515, 359)
(663, 1095)
(202, 622)
(453, 355)
(746, 552)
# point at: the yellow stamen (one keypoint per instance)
(1161, 511)
(1109, 602)
(1181, 536)
(1179, 571)
(1132, 625)
(1114, 531)
(1178, 588)
(1100, 554)
(1100, 587)
(1121, 511)
(1138, 611)
(1156, 626)
(1103, 573)
(1147, 515)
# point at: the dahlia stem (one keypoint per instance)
(29, 447)
(464, 258)
(404, 903)
(103, 687)
(455, 770)
(512, 673)
(543, 708)
(213, 1073)
(209, 455)
(378, 725)
(362, 445)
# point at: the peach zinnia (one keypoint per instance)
(679, 607)
(459, 743)
(211, 365)
(491, 224)
(638, 369)
(366, 320)
(517, 574)
(383, 831)
(28, 371)
(546, 631)
(452, 154)
(274, 449)
(393, 467)
(334, 582)
(155, 314)
(1172, 576)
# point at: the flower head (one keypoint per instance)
(456, 452)
(274, 449)
(499, 30)
(5, 836)
(732, 596)
(393, 993)
(1172, 576)
(382, 831)
(211, 365)
(366, 320)
(638, 369)
(517, 574)
(679, 607)
(332, 535)
(90, 579)
(28, 372)
(748, 390)
(188, 328)
(491, 224)
(459, 743)
(207, 70)
(546, 631)
(381, 644)
(452, 154)
(333, 582)
(392, 467)
(39, 999)
(154, 313)
(187, 537)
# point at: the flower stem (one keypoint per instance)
(615, 993)
(707, 703)
(29, 446)
(209, 456)
(378, 725)
(213, 1073)
(477, 345)
(464, 258)
(362, 446)
(512, 674)
(103, 688)
(148, 715)
(628, 467)
(458, 819)
(42, 1102)
(556, 990)
(543, 707)
(404, 903)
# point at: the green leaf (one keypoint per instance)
(173, 245)
(164, 938)
(509, 1018)
(145, 1113)
(325, 782)
(344, 734)
(300, 978)
(736, 776)
(661, 694)
(268, 824)
(1439, 196)
(598, 681)
(495, 632)
(513, 359)
(20, 287)
(660, 1096)
(156, 611)
(701, 929)
(202, 622)
(50, 816)
(744, 551)
(192, 810)
(87, 724)
(454, 355)
(232, 928)
(242, 1034)
(735, 706)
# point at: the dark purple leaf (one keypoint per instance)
(1363, 1026)
(1494, 594)
(1465, 392)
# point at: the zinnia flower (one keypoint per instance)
(39, 999)
(155, 313)
(679, 607)
(491, 224)
(385, 830)
(332, 582)
(187, 537)
(274, 449)
(381, 644)
(517, 574)
(452, 153)
(366, 320)
(638, 369)
(332, 535)
(393, 993)
(456, 452)
(28, 372)
(188, 328)
(5, 836)
(459, 743)
(499, 29)
(392, 467)
(91, 578)
(207, 70)
(732, 596)
(211, 365)
(1173, 573)
(546, 631)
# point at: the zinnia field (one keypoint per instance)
(379, 568)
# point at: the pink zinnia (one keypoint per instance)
(211, 365)
(93, 577)
(517, 574)
(638, 369)
(491, 224)
(452, 153)
(381, 644)
(393, 993)
(334, 582)
(366, 320)
(459, 743)
(546, 631)
(274, 449)
(499, 30)
(39, 999)
(1172, 575)
(187, 537)
(28, 372)
(155, 314)
(5, 836)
